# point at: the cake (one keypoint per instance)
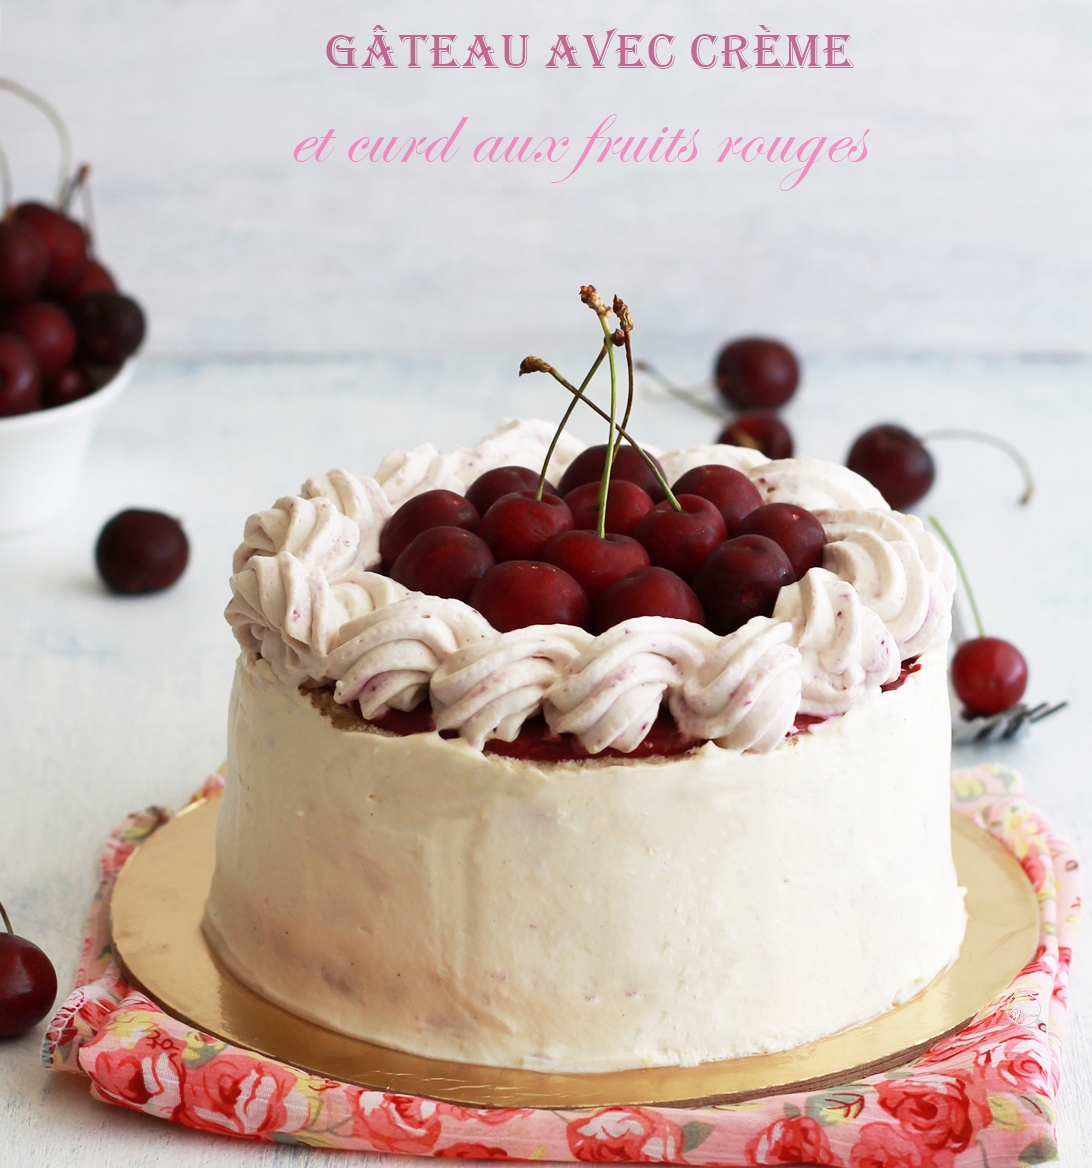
(747, 847)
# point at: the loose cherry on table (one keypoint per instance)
(28, 983)
(24, 261)
(647, 592)
(519, 593)
(20, 383)
(47, 329)
(141, 551)
(518, 526)
(594, 563)
(487, 488)
(739, 580)
(443, 561)
(795, 531)
(587, 467)
(761, 431)
(989, 675)
(756, 373)
(894, 462)
(729, 490)
(437, 508)
(681, 540)
(627, 505)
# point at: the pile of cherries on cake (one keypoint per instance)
(523, 558)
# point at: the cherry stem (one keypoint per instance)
(565, 421)
(63, 135)
(6, 194)
(990, 440)
(629, 389)
(537, 365)
(7, 919)
(685, 395)
(608, 456)
(962, 574)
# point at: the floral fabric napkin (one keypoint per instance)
(983, 1096)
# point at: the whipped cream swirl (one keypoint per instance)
(742, 458)
(814, 484)
(359, 499)
(845, 649)
(612, 693)
(490, 688)
(744, 695)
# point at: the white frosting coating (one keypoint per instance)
(742, 458)
(489, 688)
(611, 694)
(846, 651)
(386, 659)
(815, 485)
(581, 917)
(745, 693)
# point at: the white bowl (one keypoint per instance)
(42, 455)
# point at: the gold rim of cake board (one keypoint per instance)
(159, 901)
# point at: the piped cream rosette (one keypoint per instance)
(304, 597)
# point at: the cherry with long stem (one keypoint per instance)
(565, 419)
(591, 298)
(998, 443)
(962, 574)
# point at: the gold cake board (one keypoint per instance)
(159, 900)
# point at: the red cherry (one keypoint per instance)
(110, 326)
(795, 531)
(594, 563)
(519, 593)
(24, 261)
(141, 551)
(627, 505)
(429, 509)
(48, 331)
(20, 383)
(99, 375)
(895, 463)
(587, 467)
(65, 242)
(756, 373)
(989, 675)
(443, 561)
(28, 983)
(487, 488)
(646, 592)
(680, 540)
(69, 385)
(518, 526)
(730, 491)
(93, 278)
(761, 431)
(741, 579)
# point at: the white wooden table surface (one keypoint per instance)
(109, 704)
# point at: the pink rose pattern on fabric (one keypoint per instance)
(984, 1095)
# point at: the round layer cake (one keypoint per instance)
(785, 872)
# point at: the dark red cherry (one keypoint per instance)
(443, 561)
(761, 431)
(48, 331)
(110, 327)
(587, 467)
(646, 592)
(594, 563)
(519, 593)
(429, 509)
(28, 983)
(895, 463)
(741, 579)
(989, 675)
(730, 491)
(680, 540)
(93, 278)
(795, 531)
(627, 505)
(141, 551)
(757, 373)
(20, 382)
(487, 488)
(99, 375)
(24, 261)
(518, 526)
(69, 385)
(65, 242)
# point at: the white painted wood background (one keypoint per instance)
(912, 284)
